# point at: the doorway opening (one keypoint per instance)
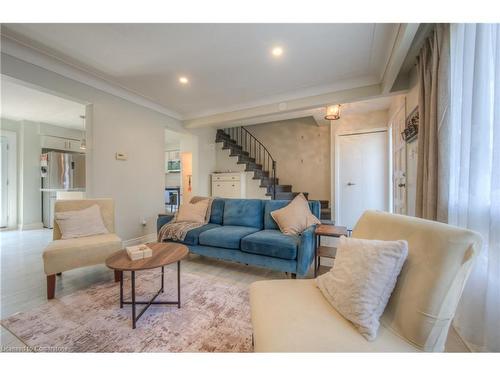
(43, 153)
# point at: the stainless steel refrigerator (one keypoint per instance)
(63, 172)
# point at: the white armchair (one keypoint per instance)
(64, 255)
(293, 315)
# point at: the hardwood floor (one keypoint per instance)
(23, 282)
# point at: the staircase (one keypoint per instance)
(257, 159)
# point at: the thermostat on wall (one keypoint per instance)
(121, 156)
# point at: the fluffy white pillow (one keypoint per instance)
(362, 279)
(295, 217)
(80, 223)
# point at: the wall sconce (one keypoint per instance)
(332, 112)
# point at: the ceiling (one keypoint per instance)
(24, 103)
(229, 66)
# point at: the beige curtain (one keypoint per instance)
(433, 102)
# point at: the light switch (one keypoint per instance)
(121, 156)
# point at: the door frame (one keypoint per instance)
(12, 176)
(337, 162)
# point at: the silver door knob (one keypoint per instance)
(350, 183)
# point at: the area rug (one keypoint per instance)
(214, 317)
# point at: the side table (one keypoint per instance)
(326, 251)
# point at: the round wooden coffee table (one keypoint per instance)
(164, 253)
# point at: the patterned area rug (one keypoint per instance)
(214, 317)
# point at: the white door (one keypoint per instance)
(362, 175)
(4, 183)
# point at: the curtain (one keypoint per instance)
(433, 103)
(474, 174)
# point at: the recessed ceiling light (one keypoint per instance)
(277, 51)
(183, 80)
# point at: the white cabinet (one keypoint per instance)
(228, 185)
(57, 143)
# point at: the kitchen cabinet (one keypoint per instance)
(58, 143)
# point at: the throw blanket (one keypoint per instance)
(177, 230)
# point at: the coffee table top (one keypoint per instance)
(163, 253)
(331, 230)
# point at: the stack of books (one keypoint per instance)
(138, 252)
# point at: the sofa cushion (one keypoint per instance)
(217, 212)
(64, 255)
(271, 242)
(192, 237)
(293, 316)
(244, 212)
(273, 205)
(228, 236)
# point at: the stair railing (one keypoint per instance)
(256, 150)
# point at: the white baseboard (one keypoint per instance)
(30, 226)
(151, 237)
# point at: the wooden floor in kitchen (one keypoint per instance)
(23, 284)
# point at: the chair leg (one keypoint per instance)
(51, 286)
(118, 276)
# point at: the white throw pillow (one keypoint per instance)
(362, 279)
(81, 223)
(295, 217)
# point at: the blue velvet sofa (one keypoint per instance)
(243, 230)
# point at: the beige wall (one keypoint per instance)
(302, 153)
(352, 123)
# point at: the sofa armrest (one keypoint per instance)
(305, 254)
(162, 220)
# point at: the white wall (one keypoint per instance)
(351, 123)
(30, 202)
(201, 143)
(226, 163)
(116, 125)
(28, 196)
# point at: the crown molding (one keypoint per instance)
(35, 56)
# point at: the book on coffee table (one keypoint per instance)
(139, 252)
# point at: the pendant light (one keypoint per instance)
(332, 112)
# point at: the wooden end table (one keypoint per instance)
(326, 251)
(163, 254)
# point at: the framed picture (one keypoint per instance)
(411, 128)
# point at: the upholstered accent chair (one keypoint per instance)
(293, 315)
(64, 255)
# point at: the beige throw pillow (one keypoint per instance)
(295, 217)
(362, 279)
(80, 223)
(193, 212)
